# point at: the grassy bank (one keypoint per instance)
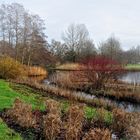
(6, 133)
(10, 91)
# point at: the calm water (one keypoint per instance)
(131, 77)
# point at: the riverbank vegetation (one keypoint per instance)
(91, 122)
(79, 100)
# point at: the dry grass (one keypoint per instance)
(71, 95)
(127, 124)
(97, 134)
(74, 123)
(36, 71)
(53, 107)
(21, 113)
(69, 66)
(52, 121)
(124, 92)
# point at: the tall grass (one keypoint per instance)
(70, 95)
(36, 71)
(21, 113)
(52, 121)
(127, 124)
(74, 123)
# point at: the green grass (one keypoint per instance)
(6, 133)
(8, 95)
(10, 91)
(133, 66)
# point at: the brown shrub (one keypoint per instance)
(133, 128)
(97, 134)
(119, 121)
(74, 123)
(21, 113)
(127, 124)
(51, 125)
(52, 121)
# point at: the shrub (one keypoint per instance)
(98, 70)
(10, 69)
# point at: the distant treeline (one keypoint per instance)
(23, 37)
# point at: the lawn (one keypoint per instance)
(9, 92)
(133, 66)
(6, 133)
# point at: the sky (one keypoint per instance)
(103, 18)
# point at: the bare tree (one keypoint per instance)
(111, 49)
(23, 32)
(75, 37)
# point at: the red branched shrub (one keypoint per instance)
(99, 70)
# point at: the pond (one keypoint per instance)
(131, 77)
(127, 106)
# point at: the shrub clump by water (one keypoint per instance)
(10, 69)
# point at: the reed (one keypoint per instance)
(65, 93)
(36, 71)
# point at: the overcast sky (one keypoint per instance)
(102, 17)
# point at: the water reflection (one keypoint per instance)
(131, 77)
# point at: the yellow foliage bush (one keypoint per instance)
(10, 69)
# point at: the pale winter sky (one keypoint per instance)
(102, 17)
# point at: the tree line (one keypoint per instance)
(77, 45)
(23, 37)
